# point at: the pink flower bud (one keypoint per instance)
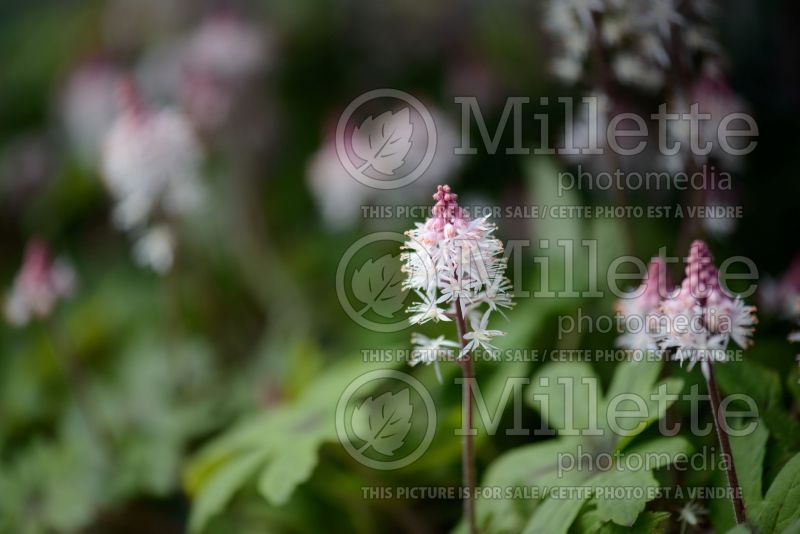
(38, 287)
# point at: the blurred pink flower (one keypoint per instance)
(714, 97)
(38, 287)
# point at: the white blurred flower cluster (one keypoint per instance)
(456, 267)
(340, 196)
(151, 165)
(39, 285)
(150, 158)
(636, 33)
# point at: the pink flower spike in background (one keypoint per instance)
(698, 323)
(39, 285)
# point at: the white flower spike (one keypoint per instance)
(451, 260)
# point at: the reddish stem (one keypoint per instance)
(467, 445)
(725, 444)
